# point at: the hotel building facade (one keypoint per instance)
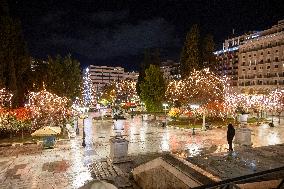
(254, 61)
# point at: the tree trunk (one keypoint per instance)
(22, 133)
(257, 117)
(203, 123)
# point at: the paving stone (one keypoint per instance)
(70, 165)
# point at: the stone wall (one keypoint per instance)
(158, 178)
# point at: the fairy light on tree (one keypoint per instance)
(88, 90)
(120, 92)
(48, 109)
(12, 120)
(276, 103)
(126, 91)
(5, 98)
(203, 88)
(5, 104)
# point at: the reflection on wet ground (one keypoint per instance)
(147, 137)
(70, 165)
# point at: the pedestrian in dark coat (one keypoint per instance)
(230, 136)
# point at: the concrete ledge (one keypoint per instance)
(5, 144)
(17, 144)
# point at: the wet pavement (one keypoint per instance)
(242, 161)
(70, 165)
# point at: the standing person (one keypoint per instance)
(230, 136)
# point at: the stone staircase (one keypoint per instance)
(169, 171)
(105, 170)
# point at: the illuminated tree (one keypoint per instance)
(276, 102)
(88, 89)
(126, 91)
(5, 98)
(12, 120)
(202, 88)
(120, 92)
(48, 109)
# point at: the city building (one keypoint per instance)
(227, 58)
(254, 61)
(261, 60)
(133, 76)
(170, 70)
(103, 75)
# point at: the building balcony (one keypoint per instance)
(261, 48)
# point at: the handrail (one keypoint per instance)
(240, 179)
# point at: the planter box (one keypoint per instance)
(118, 125)
(243, 137)
(243, 118)
(118, 150)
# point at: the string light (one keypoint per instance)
(202, 87)
(48, 109)
(5, 98)
(122, 91)
(88, 89)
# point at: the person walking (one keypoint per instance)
(230, 136)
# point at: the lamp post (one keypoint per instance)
(165, 105)
(77, 125)
(84, 143)
(142, 110)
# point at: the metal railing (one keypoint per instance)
(272, 174)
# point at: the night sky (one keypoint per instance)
(114, 32)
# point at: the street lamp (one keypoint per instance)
(165, 105)
(142, 110)
(77, 125)
(84, 135)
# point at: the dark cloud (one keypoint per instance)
(118, 39)
(109, 17)
(109, 31)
